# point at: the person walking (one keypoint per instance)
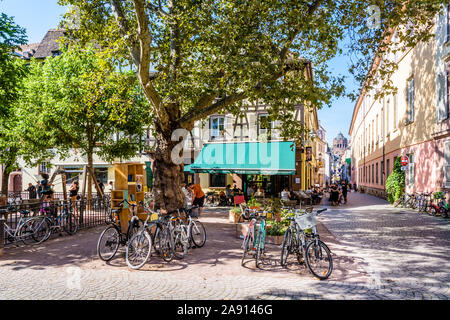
(31, 191)
(344, 192)
(229, 195)
(250, 192)
(73, 195)
(198, 196)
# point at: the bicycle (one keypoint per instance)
(112, 237)
(27, 228)
(65, 220)
(140, 245)
(195, 229)
(257, 237)
(306, 244)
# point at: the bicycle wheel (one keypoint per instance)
(165, 247)
(318, 259)
(286, 247)
(259, 246)
(139, 249)
(26, 232)
(198, 233)
(41, 230)
(247, 240)
(108, 243)
(180, 241)
(70, 224)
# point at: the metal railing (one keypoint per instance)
(89, 214)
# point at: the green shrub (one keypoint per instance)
(275, 228)
(395, 183)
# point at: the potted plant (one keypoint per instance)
(254, 204)
(275, 231)
(235, 215)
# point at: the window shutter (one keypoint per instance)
(442, 93)
(447, 163)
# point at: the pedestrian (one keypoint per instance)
(250, 192)
(354, 187)
(46, 186)
(110, 187)
(229, 195)
(31, 191)
(101, 185)
(344, 192)
(187, 195)
(73, 195)
(39, 189)
(198, 196)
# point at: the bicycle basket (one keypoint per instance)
(306, 221)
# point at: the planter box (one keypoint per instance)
(274, 239)
(234, 217)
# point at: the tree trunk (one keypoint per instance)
(90, 177)
(168, 176)
(5, 182)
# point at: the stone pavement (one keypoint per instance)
(378, 253)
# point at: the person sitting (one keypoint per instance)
(259, 193)
(285, 195)
(229, 195)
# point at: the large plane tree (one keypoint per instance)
(195, 58)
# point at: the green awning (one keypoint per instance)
(268, 158)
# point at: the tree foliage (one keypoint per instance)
(80, 101)
(395, 183)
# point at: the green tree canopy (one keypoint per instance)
(79, 100)
(12, 72)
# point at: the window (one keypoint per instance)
(388, 163)
(217, 180)
(373, 173)
(396, 111)
(387, 118)
(241, 128)
(216, 127)
(442, 84)
(447, 163)
(448, 22)
(410, 100)
(265, 126)
(376, 173)
(44, 167)
(411, 171)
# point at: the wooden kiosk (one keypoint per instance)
(129, 185)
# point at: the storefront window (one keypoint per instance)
(217, 180)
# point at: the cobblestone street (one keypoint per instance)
(379, 252)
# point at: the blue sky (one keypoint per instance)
(38, 16)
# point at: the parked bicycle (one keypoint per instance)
(195, 229)
(301, 238)
(112, 237)
(28, 229)
(64, 220)
(254, 241)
